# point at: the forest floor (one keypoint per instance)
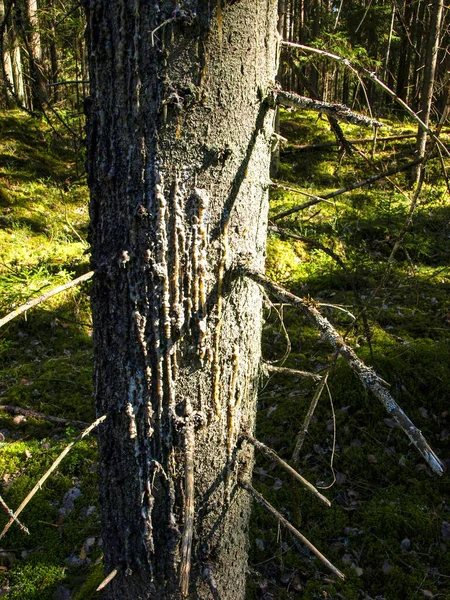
(388, 528)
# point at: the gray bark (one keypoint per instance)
(434, 31)
(178, 157)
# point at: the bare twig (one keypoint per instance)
(301, 436)
(284, 465)
(338, 111)
(18, 311)
(27, 412)
(286, 371)
(46, 475)
(13, 517)
(367, 375)
(263, 502)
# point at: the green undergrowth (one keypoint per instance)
(388, 527)
(45, 366)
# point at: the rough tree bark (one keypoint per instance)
(179, 133)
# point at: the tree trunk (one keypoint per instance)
(426, 99)
(179, 134)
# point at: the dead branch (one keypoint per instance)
(18, 311)
(27, 412)
(46, 475)
(357, 69)
(304, 429)
(287, 371)
(339, 112)
(288, 188)
(13, 517)
(367, 375)
(263, 502)
(349, 188)
(284, 465)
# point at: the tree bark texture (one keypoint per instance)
(179, 134)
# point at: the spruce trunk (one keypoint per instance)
(179, 133)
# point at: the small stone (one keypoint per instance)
(406, 544)
(19, 419)
(70, 497)
(445, 530)
(387, 567)
(89, 543)
(428, 593)
(347, 559)
(259, 543)
(359, 572)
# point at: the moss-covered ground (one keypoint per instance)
(388, 529)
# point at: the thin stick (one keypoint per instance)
(301, 436)
(263, 502)
(27, 412)
(339, 112)
(349, 188)
(358, 69)
(367, 375)
(15, 313)
(288, 188)
(107, 579)
(13, 517)
(46, 475)
(284, 465)
(287, 371)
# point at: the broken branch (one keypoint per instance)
(263, 502)
(370, 380)
(339, 112)
(284, 465)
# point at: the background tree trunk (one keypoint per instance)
(178, 158)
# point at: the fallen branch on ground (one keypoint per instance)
(46, 475)
(340, 112)
(263, 502)
(284, 465)
(370, 380)
(27, 412)
(18, 311)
